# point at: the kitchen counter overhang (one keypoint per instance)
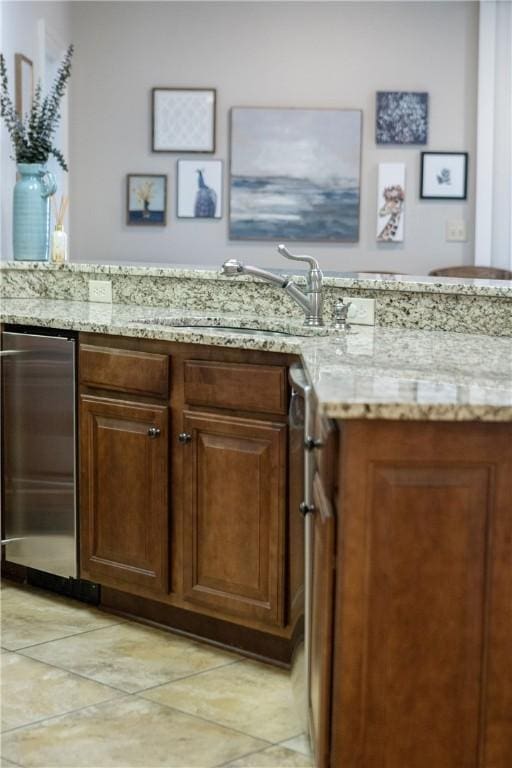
(367, 373)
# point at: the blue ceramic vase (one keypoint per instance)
(31, 212)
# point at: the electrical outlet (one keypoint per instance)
(100, 290)
(456, 231)
(361, 311)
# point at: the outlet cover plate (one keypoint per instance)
(361, 311)
(100, 290)
(456, 231)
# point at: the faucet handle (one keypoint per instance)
(341, 314)
(283, 250)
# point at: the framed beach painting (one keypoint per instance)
(183, 119)
(146, 199)
(199, 189)
(295, 174)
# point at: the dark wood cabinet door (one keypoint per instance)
(233, 510)
(322, 584)
(423, 672)
(124, 509)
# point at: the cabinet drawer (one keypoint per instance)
(124, 370)
(244, 387)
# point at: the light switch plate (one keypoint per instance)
(456, 231)
(361, 311)
(100, 290)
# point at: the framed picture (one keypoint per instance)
(391, 203)
(23, 84)
(183, 119)
(444, 175)
(199, 189)
(401, 117)
(295, 174)
(146, 199)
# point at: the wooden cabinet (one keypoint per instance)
(123, 484)
(423, 608)
(233, 500)
(192, 531)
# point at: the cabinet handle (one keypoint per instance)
(184, 438)
(153, 432)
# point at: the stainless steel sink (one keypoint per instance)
(250, 326)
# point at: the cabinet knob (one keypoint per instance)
(153, 432)
(184, 438)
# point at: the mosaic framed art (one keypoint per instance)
(183, 119)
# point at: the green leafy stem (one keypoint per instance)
(32, 134)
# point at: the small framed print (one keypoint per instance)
(183, 119)
(199, 189)
(24, 84)
(146, 199)
(444, 175)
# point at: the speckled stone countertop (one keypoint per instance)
(359, 280)
(373, 373)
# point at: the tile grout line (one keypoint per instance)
(77, 674)
(43, 720)
(186, 677)
(64, 637)
(122, 690)
(246, 754)
(214, 722)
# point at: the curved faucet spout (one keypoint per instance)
(310, 301)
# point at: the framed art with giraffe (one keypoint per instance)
(391, 203)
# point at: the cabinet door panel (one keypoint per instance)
(421, 672)
(124, 515)
(234, 479)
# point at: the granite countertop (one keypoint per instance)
(369, 372)
(359, 280)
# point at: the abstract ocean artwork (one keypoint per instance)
(146, 199)
(391, 203)
(199, 189)
(401, 117)
(295, 174)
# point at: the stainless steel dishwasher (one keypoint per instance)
(302, 465)
(39, 451)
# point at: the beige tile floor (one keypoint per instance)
(83, 689)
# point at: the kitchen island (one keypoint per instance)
(412, 545)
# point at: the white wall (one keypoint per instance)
(332, 54)
(20, 34)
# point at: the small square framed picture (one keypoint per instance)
(183, 119)
(146, 199)
(444, 175)
(199, 189)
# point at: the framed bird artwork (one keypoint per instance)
(199, 193)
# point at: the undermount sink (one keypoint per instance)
(275, 326)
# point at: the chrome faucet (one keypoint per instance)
(310, 300)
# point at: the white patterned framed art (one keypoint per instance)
(183, 119)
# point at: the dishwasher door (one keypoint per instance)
(39, 462)
(302, 469)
